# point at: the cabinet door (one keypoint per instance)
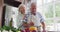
(1, 5)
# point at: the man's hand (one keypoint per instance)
(44, 30)
(43, 26)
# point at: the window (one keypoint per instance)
(57, 9)
(51, 11)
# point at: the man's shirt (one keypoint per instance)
(36, 19)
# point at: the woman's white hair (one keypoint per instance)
(22, 5)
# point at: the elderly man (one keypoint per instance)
(36, 18)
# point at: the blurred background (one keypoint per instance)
(50, 9)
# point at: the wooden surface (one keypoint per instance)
(12, 3)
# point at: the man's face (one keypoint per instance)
(22, 9)
(33, 8)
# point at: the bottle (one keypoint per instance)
(11, 22)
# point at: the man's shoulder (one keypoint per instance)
(38, 13)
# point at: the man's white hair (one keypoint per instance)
(33, 3)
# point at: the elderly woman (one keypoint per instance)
(21, 19)
(21, 14)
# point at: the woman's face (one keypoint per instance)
(22, 9)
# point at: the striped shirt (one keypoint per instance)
(37, 19)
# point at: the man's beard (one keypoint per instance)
(34, 13)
